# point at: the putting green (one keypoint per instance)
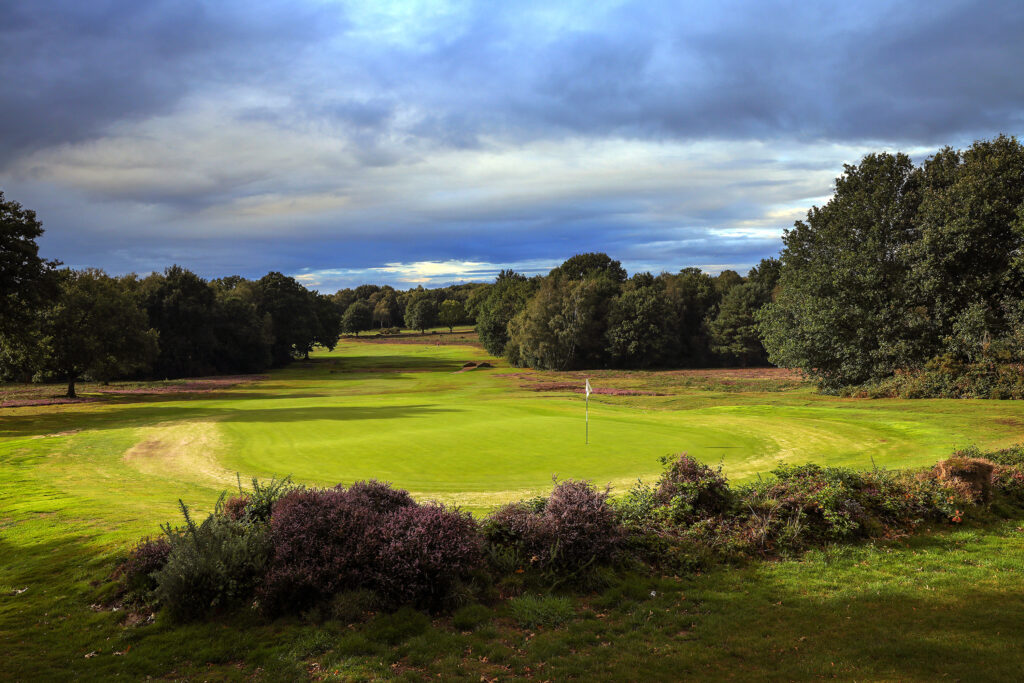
(404, 413)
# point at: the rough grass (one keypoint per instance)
(80, 483)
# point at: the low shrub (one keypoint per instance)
(211, 566)
(575, 528)
(688, 489)
(423, 553)
(322, 544)
(379, 497)
(136, 572)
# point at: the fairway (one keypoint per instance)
(80, 483)
(405, 413)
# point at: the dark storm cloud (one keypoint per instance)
(72, 68)
(247, 136)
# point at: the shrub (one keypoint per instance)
(971, 476)
(260, 500)
(584, 525)
(379, 497)
(353, 606)
(423, 552)
(530, 611)
(322, 544)
(688, 489)
(135, 573)
(573, 529)
(211, 565)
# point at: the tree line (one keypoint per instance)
(907, 268)
(587, 313)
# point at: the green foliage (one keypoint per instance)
(180, 306)
(26, 284)
(358, 317)
(905, 266)
(292, 311)
(504, 300)
(451, 313)
(95, 326)
(213, 565)
(471, 617)
(420, 312)
(531, 611)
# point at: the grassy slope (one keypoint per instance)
(68, 502)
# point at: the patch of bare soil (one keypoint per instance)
(186, 449)
(196, 385)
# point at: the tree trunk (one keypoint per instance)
(71, 387)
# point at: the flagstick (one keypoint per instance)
(587, 438)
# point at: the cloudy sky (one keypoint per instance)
(403, 142)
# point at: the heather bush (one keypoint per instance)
(575, 528)
(322, 543)
(379, 496)
(423, 553)
(213, 565)
(135, 573)
(584, 525)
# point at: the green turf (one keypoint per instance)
(80, 482)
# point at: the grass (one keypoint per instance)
(80, 482)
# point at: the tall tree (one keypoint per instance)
(846, 310)
(180, 306)
(505, 299)
(95, 326)
(420, 313)
(26, 284)
(734, 332)
(292, 312)
(640, 325)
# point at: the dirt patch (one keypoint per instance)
(196, 385)
(53, 401)
(186, 449)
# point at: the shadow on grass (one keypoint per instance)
(65, 423)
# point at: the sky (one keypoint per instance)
(438, 142)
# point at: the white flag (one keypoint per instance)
(589, 390)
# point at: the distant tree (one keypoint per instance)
(243, 334)
(726, 280)
(475, 299)
(180, 307)
(421, 313)
(968, 264)
(451, 313)
(357, 318)
(328, 321)
(386, 311)
(640, 325)
(343, 298)
(292, 311)
(583, 266)
(562, 325)
(505, 299)
(734, 332)
(95, 326)
(692, 298)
